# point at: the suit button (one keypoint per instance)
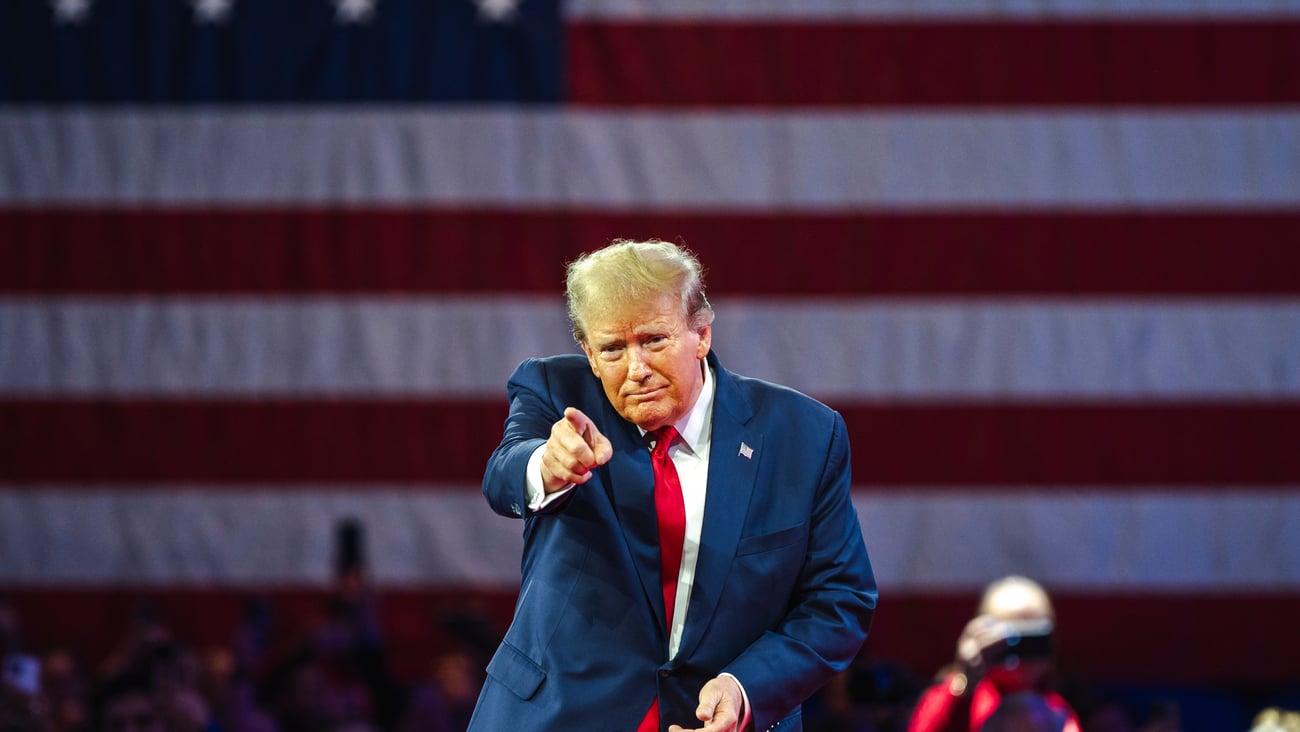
(664, 673)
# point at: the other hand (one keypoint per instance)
(721, 708)
(573, 449)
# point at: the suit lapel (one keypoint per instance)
(634, 504)
(732, 472)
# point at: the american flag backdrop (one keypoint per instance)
(267, 265)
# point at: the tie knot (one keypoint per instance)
(662, 437)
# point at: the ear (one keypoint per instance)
(706, 341)
(591, 357)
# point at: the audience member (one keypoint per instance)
(126, 703)
(1006, 649)
(229, 692)
(63, 693)
(445, 700)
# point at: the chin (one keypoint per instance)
(649, 424)
(647, 420)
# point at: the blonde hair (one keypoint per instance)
(628, 271)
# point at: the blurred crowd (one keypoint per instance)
(335, 676)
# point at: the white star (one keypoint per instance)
(495, 11)
(211, 11)
(70, 11)
(354, 11)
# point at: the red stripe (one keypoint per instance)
(866, 253)
(767, 64)
(241, 442)
(1105, 637)
(1236, 638)
(1204, 444)
(56, 441)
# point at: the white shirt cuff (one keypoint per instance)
(746, 718)
(536, 494)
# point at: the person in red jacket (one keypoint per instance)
(1005, 650)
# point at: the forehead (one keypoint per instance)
(617, 320)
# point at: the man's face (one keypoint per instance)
(648, 359)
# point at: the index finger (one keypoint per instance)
(600, 446)
(577, 419)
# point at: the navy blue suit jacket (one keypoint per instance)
(783, 591)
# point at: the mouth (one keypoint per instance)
(648, 394)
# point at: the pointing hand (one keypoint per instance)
(573, 449)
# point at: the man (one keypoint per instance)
(1004, 651)
(767, 590)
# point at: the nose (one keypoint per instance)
(637, 368)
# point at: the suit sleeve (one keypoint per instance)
(830, 609)
(527, 426)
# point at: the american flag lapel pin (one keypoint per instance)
(746, 451)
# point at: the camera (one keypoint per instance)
(1016, 641)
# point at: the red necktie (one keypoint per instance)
(671, 511)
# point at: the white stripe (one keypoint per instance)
(834, 349)
(1142, 539)
(815, 10)
(239, 347)
(615, 160)
(198, 535)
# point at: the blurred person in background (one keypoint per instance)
(337, 676)
(150, 661)
(126, 703)
(1275, 719)
(445, 700)
(1007, 648)
(63, 693)
(227, 688)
